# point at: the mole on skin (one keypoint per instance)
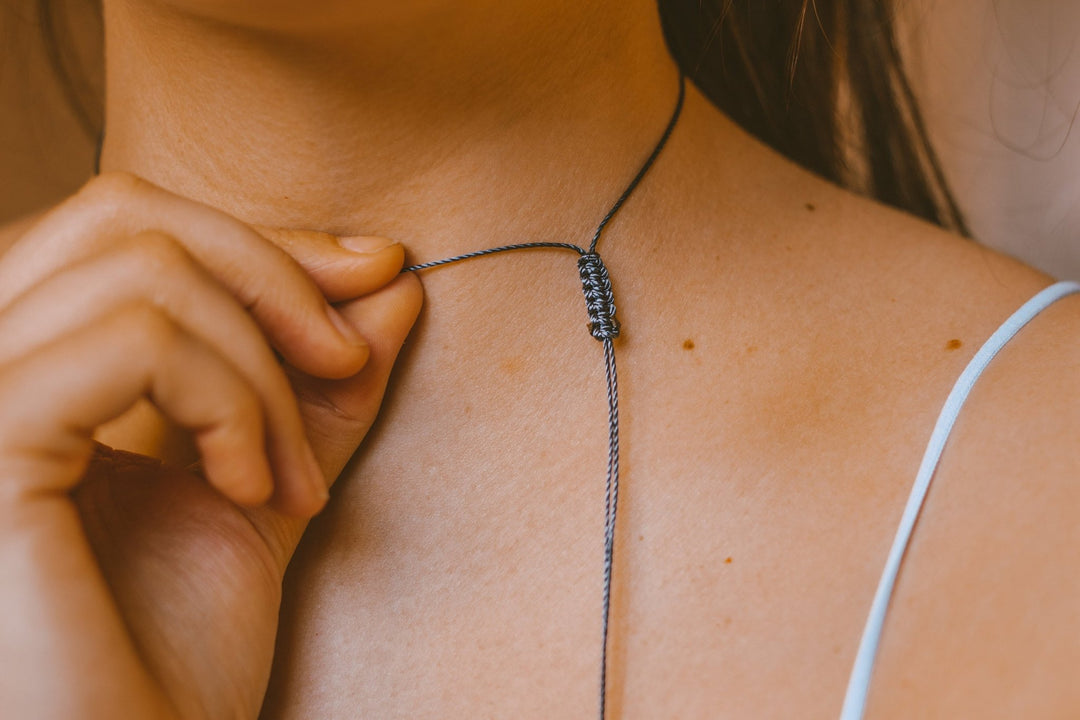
(688, 344)
(954, 344)
(811, 207)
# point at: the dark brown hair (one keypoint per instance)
(821, 81)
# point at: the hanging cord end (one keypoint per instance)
(599, 298)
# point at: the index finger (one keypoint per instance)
(271, 285)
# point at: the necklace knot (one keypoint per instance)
(599, 298)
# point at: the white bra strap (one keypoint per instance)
(859, 683)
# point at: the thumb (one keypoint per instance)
(339, 413)
(342, 267)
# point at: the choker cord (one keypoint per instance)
(600, 306)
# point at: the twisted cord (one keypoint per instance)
(492, 251)
(600, 307)
(611, 502)
(644, 167)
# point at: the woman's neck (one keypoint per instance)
(473, 124)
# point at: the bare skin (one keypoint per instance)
(162, 577)
(456, 571)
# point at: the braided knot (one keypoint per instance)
(599, 299)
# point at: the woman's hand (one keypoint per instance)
(130, 588)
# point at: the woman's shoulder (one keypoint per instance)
(1001, 524)
(990, 562)
(737, 194)
(931, 287)
(1000, 529)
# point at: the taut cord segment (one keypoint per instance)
(600, 307)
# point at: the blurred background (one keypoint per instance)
(999, 82)
(45, 151)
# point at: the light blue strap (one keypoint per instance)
(859, 683)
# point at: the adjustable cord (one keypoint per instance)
(600, 307)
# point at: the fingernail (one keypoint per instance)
(318, 480)
(348, 333)
(365, 244)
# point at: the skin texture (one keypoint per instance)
(456, 572)
(151, 573)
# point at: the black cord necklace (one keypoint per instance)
(600, 306)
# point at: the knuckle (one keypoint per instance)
(246, 408)
(112, 188)
(148, 328)
(157, 252)
(105, 198)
